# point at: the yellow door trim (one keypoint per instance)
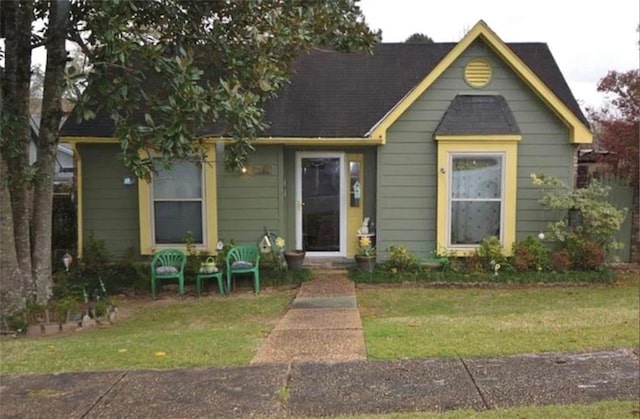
(355, 215)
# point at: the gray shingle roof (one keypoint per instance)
(478, 115)
(335, 94)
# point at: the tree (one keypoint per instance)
(419, 38)
(617, 131)
(186, 63)
(617, 124)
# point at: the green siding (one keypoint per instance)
(110, 209)
(248, 202)
(406, 200)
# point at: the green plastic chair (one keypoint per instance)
(244, 259)
(433, 258)
(168, 264)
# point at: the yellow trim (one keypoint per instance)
(79, 198)
(487, 145)
(355, 215)
(317, 141)
(89, 140)
(578, 132)
(311, 141)
(211, 210)
(478, 137)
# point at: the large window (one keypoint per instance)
(476, 197)
(178, 203)
(477, 188)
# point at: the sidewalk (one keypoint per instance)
(314, 363)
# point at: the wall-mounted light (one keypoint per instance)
(243, 169)
(129, 180)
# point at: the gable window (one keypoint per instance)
(475, 197)
(178, 204)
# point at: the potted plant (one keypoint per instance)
(366, 255)
(294, 258)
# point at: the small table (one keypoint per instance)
(209, 275)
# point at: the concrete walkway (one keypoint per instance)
(322, 325)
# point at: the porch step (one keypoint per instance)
(327, 263)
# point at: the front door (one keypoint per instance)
(320, 204)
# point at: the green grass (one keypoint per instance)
(213, 331)
(434, 322)
(607, 409)
(400, 322)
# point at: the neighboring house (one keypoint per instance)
(435, 142)
(64, 168)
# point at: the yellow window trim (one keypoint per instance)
(492, 138)
(486, 145)
(210, 236)
(579, 133)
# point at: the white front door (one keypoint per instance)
(320, 204)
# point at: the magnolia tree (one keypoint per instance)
(186, 63)
(599, 220)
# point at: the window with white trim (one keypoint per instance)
(178, 203)
(476, 198)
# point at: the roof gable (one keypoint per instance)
(544, 67)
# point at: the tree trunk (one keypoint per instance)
(47, 148)
(15, 149)
(12, 298)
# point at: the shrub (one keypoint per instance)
(560, 261)
(600, 220)
(488, 255)
(530, 254)
(585, 255)
(401, 260)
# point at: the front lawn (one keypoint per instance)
(209, 331)
(399, 322)
(414, 322)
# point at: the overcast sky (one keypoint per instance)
(588, 38)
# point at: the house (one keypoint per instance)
(64, 166)
(434, 142)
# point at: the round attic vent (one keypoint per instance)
(477, 73)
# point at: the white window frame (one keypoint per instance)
(451, 156)
(203, 209)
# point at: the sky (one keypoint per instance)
(588, 38)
